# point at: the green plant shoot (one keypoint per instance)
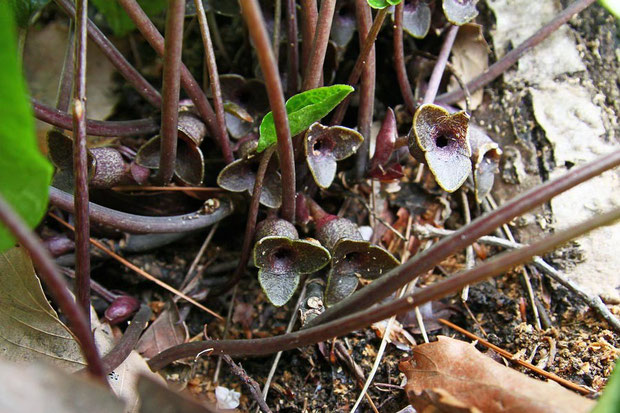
(382, 4)
(303, 110)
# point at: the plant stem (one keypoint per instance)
(309, 17)
(80, 168)
(142, 86)
(366, 46)
(63, 120)
(57, 286)
(154, 38)
(258, 33)
(250, 225)
(292, 48)
(314, 69)
(368, 71)
(65, 85)
(140, 224)
(399, 59)
(173, 51)
(214, 78)
(217, 38)
(483, 225)
(277, 21)
(499, 67)
(440, 65)
(352, 322)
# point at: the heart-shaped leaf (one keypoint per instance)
(303, 110)
(459, 12)
(25, 174)
(416, 18)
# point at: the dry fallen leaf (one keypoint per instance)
(166, 331)
(29, 327)
(470, 57)
(452, 376)
(37, 387)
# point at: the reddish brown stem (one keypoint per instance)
(250, 225)
(142, 86)
(399, 60)
(173, 50)
(154, 38)
(314, 69)
(63, 120)
(80, 168)
(292, 47)
(426, 261)
(499, 67)
(366, 47)
(346, 324)
(440, 65)
(367, 89)
(65, 85)
(258, 33)
(214, 78)
(309, 17)
(57, 286)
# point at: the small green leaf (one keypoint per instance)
(24, 173)
(382, 4)
(118, 20)
(610, 400)
(303, 110)
(24, 10)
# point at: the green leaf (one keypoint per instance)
(382, 4)
(612, 6)
(303, 110)
(610, 400)
(24, 173)
(118, 20)
(24, 10)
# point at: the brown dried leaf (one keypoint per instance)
(449, 374)
(470, 57)
(166, 331)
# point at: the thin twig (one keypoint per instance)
(524, 272)
(214, 77)
(289, 328)
(277, 21)
(499, 67)
(269, 68)
(314, 68)
(354, 321)
(63, 120)
(292, 48)
(142, 86)
(512, 358)
(366, 55)
(470, 260)
(173, 51)
(192, 268)
(309, 17)
(399, 59)
(217, 37)
(249, 383)
(58, 288)
(233, 297)
(440, 65)
(63, 95)
(592, 300)
(139, 270)
(155, 39)
(80, 168)
(368, 73)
